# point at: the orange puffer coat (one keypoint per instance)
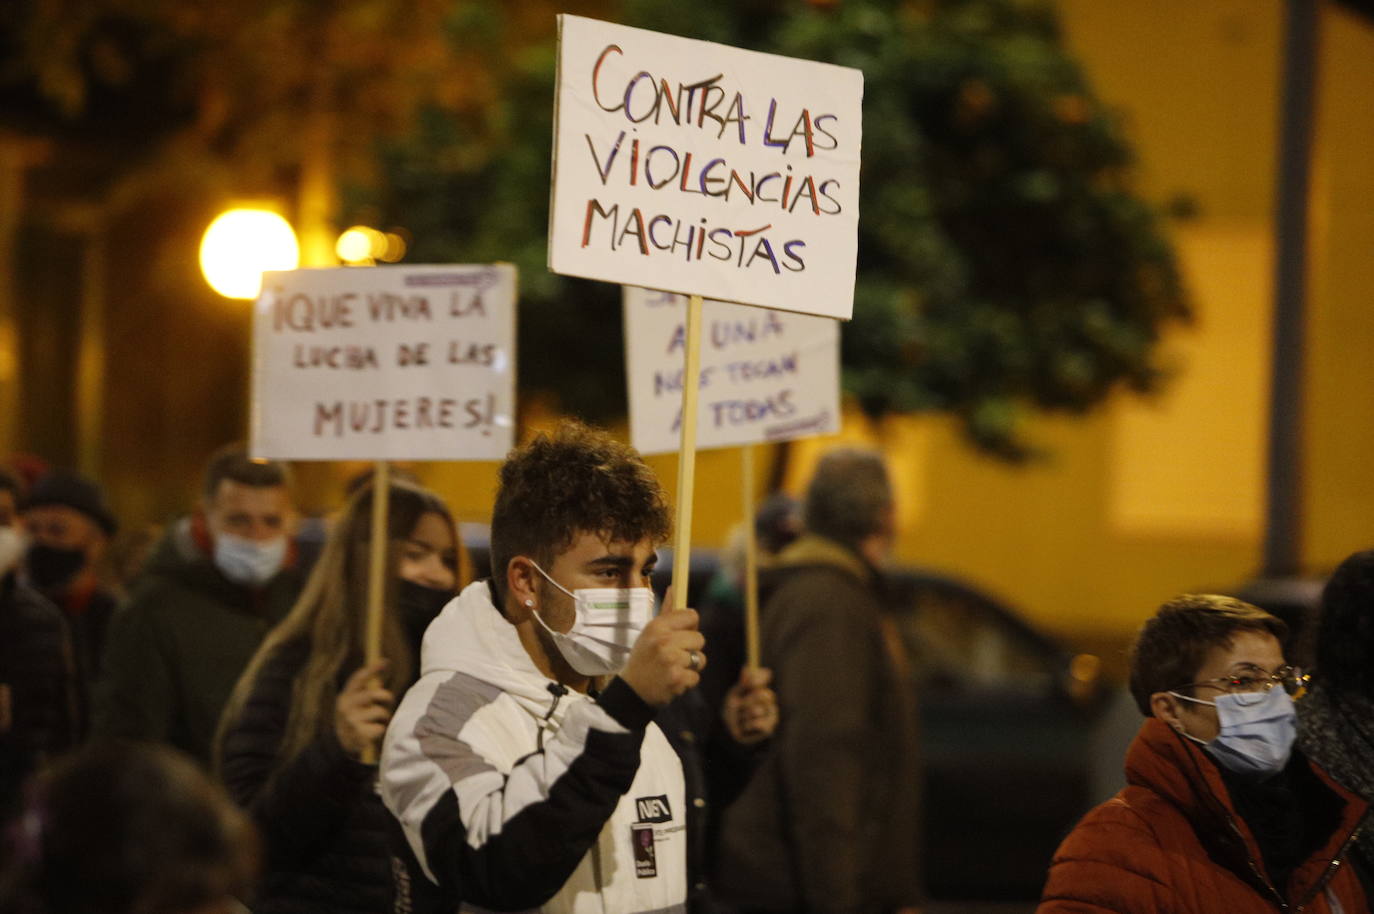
(1172, 843)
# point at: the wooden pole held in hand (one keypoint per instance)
(376, 578)
(751, 562)
(687, 456)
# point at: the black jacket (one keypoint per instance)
(88, 622)
(325, 830)
(36, 668)
(177, 647)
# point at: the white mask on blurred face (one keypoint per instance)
(12, 545)
(251, 563)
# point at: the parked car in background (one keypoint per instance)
(1009, 720)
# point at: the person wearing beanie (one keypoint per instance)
(69, 524)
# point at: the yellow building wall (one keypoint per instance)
(1151, 497)
(1338, 479)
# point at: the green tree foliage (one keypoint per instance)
(140, 94)
(1004, 263)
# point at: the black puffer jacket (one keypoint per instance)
(324, 827)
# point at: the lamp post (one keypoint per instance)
(240, 244)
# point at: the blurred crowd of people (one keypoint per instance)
(205, 729)
(534, 735)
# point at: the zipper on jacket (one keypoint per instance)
(1218, 805)
(1326, 876)
(1331, 869)
(1254, 868)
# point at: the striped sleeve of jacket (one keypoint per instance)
(506, 839)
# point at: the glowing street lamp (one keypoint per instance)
(240, 244)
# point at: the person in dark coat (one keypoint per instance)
(70, 526)
(38, 715)
(829, 820)
(291, 744)
(213, 588)
(1336, 717)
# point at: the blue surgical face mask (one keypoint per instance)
(1257, 731)
(249, 562)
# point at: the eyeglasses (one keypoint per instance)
(1256, 679)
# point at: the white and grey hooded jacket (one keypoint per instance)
(516, 794)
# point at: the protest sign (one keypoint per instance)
(705, 169)
(765, 375)
(385, 363)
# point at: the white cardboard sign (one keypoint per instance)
(765, 375)
(385, 363)
(705, 169)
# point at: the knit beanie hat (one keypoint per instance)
(75, 492)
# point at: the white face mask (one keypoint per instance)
(609, 620)
(1257, 731)
(12, 546)
(249, 562)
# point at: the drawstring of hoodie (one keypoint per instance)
(557, 690)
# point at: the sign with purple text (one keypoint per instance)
(765, 375)
(705, 169)
(385, 363)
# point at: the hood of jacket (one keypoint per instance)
(810, 549)
(812, 552)
(471, 636)
(1182, 773)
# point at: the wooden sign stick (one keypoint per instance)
(751, 562)
(687, 456)
(376, 578)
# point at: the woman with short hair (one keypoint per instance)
(1220, 813)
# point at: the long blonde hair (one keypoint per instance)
(330, 615)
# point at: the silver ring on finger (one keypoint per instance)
(694, 661)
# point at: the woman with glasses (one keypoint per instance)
(1336, 719)
(1220, 813)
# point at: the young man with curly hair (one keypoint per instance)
(551, 755)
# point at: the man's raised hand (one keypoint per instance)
(667, 658)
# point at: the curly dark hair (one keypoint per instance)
(1343, 638)
(577, 480)
(1173, 643)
